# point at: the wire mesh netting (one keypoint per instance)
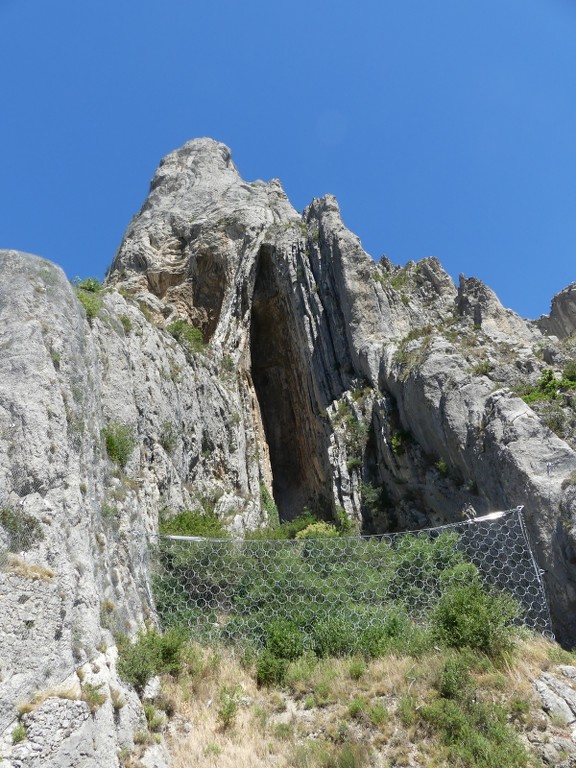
(230, 590)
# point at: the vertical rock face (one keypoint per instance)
(243, 348)
(70, 572)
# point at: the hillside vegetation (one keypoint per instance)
(441, 707)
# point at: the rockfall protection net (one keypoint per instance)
(230, 590)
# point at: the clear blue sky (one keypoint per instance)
(444, 127)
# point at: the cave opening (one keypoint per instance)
(295, 434)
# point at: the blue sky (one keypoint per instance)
(444, 128)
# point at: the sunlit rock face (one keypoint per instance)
(249, 351)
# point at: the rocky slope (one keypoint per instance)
(243, 350)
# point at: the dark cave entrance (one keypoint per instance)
(296, 438)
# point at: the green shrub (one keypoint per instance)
(151, 654)
(285, 640)
(126, 323)
(345, 525)
(270, 670)
(187, 334)
(120, 442)
(467, 615)
(548, 386)
(476, 735)
(93, 696)
(91, 302)
(194, 523)
(399, 440)
(19, 733)
(319, 530)
(154, 718)
(569, 372)
(23, 530)
(357, 668)
(89, 284)
(333, 637)
(483, 368)
(228, 703)
(442, 467)
(455, 678)
(286, 530)
(376, 640)
(377, 713)
(356, 707)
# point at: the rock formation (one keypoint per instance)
(243, 349)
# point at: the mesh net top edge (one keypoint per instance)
(490, 517)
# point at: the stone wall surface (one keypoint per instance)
(318, 374)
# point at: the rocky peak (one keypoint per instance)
(480, 304)
(561, 321)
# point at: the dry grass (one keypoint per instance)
(247, 742)
(306, 725)
(221, 719)
(72, 693)
(19, 567)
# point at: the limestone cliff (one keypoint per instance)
(244, 348)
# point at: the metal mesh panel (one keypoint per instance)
(230, 590)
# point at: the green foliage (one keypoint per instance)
(374, 498)
(87, 291)
(356, 707)
(89, 284)
(569, 372)
(467, 615)
(270, 670)
(23, 530)
(154, 718)
(93, 696)
(187, 334)
(269, 506)
(476, 734)
(319, 530)
(285, 640)
(377, 714)
(334, 636)
(194, 523)
(151, 654)
(18, 733)
(120, 442)
(548, 387)
(442, 467)
(228, 364)
(286, 530)
(455, 678)
(483, 368)
(345, 525)
(126, 323)
(91, 302)
(399, 440)
(228, 703)
(378, 640)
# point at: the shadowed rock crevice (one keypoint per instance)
(295, 435)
